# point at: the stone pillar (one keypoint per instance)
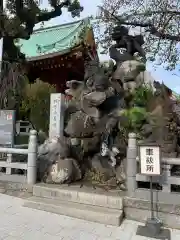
(131, 164)
(32, 158)
(166, 186)
(57, 108)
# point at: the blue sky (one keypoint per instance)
(90, 8)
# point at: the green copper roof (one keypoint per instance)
(54, 40)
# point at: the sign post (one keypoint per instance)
(150, 165)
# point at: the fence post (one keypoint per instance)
(166, 186)
(131, 164)
(32, 158)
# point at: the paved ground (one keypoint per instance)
(19, 223)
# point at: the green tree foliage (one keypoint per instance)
(157, 20)
(142, 96)
(137, 114)
(18, 18)
(36, 104)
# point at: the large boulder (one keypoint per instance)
(128, 71)
(80, 125)
(146, 78)
(63, 171)
(55, 164)
(53, 147)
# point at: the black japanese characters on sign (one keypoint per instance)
(149, 160)
(149, 152)
(149, 168)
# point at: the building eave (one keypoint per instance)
(56, 54)
(49, 55)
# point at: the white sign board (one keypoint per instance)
(57, 107)
(150, 160)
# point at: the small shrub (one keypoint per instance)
(136, 116)
(142, 96)
(36, 104)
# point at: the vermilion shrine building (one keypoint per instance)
(56, 54)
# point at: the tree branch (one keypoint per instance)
(152, 29)
(164, 36)
(45, 16)
(169, 12)
(31, 18)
